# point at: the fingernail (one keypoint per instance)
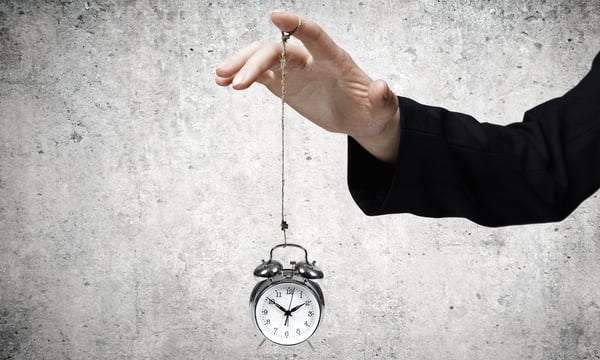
(277, 11)
(238, 79)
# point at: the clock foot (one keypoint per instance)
(262, 342)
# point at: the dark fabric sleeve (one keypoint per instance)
(451, 165)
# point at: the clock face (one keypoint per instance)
(287, 313)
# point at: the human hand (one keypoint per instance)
(323, 84)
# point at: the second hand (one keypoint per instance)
(288, 313)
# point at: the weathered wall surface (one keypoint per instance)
(136, 197)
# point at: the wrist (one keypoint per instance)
(384, 144)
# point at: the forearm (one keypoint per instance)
(449, 164)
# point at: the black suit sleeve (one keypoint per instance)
(451, 165)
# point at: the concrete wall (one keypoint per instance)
(136, 197)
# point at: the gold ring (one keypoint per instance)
(296, 28)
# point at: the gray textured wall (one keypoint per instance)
(136, 196)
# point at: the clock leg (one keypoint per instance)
(263, 341)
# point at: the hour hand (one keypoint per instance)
(296, 307)
(277, 305)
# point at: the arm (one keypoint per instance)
(448, 164)
(408, 157)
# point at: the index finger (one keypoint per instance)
(316, 41)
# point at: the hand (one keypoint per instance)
(288, 313)
(296, 308)
(323, 84)
(277, 305)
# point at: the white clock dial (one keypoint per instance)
(287, 313)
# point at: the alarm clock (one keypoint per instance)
(287, 305)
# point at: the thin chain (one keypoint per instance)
(284, 225)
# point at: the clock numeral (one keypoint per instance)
(267, 322)
(311, 314)
(264, 311)
(301, 293)
(289, 291)
(287, 334)
(308, 302)
(275, 330)
(306, 323)
(277, 293)
(298, 331)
